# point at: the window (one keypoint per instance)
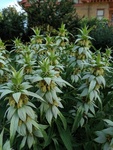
(76, 1)
(100, 13)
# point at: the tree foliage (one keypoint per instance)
(102, 32)
(11, 24)
(52, 13)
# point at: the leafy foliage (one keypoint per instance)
(102, 32)
(55, 94)
(11, 24)
(49, 15)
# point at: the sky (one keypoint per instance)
(6, 3)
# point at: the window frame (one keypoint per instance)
(100, 16)
(77, 1)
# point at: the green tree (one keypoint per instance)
(52, 13)
(11, 24)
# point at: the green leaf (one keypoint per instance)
(48, 80)
(49, 115)
(23, 129)
(55, 111)
(16, 96)
(29, 126)
(92, 85)
(23, 143)
(49, 97)
(106, 146)
(86, 108)
(11, 112)
(63, 119)
(1, 139)
(65, 136)
(84, 92)
(37, 78)
(35, 95)
(5, 92)
(13, 127)
(7, 146)
(54, 95)
(77, 118)
(22, 113)
(91, 95)
(101, 139)
(57, 90)
(45, 136)
(58, 41)
(30, 141)
(111, 143)
(60, 80)
(31, 104)
(26, 85)
(91, 107)
(110, 123)
(80, 50)
(57, 145)
(29, 111)
(103, 81)
(108, 131)
(86, 76)
(38, 133)
(35, 124)
(100, 79)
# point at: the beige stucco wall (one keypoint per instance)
(90, 9)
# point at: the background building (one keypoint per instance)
(95, 8)
(90, 8)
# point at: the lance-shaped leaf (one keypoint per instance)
(35, 95)
(49, 115)
(91, 95)
(109, 122)
(16, 96)
(29, 126)
(101, 137)
(63, 119)
(11, 112)
(84, 92)
(77, 118)
(49, 97)
(23, 143)
(5, 92)
(30, 141)
(92, 85)
(36, 78)
(13, 127)
(65, 136)
(55, 111)
(23, 129)
(22, 113)
(7, 146)
(48, 80)
(26, 85)
(29, 111)
(1, 139)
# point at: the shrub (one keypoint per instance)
(12, 24)
(56, 94)
(102, 32)
(49, 15)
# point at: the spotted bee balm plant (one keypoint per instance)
(55, 94)
(20, 111)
